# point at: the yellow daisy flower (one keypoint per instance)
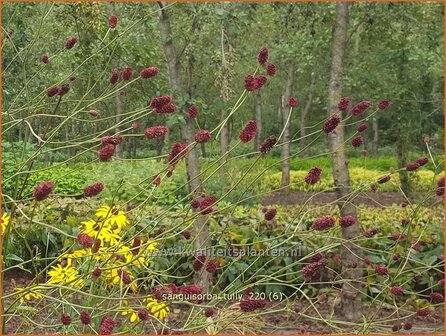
(5, 221)
(129, 311)
(112, 217)
(156, 308)
(28, 294)
(65, 275)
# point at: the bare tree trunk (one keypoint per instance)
(119, 149)
(375, 137)
(200, 226)
(306, 112)
(285, 111)
(258, 119)
(351, 300)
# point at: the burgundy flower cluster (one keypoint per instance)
(127, 73)
(212, 265)
(208, 312)
(249, 131)
(313, 176)
(65, 319)
(125, 277)
(360, 108)
(268, 144)
(42, 190)
(347, 221)
(199, 262)
(107, 326)
(436, 297)
(357, 141)
(136, 245)
(331, 123)
(143, 314)
(206, 204)
(397, 290)
(186, 234)
(85, 317)
(323, 223)
(85, 240)
(384, 179)
(254, 83)
(70, 42)
(96, 273)
(203, 136)
(58, 90)
(94, 189)
(343, 104)
(177, 151)
(422, 161)
(189, 290)
(149, 72)
(113, 21)
(362, 127)
(115, 77)
(270, 214)
(44, 58)
(250, 304)
(192, 111)
(313, 270)
(163, 105)
(383, 104)
(293, 102)
(381, 270)
(262, 58)
(106, 152)
(412, 166)
(156, 132)
(159, 291)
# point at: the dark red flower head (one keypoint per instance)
(331, 123)
(347, 221)
(293, 102)
(113, 21)
(52, 91)
(70, 42)
(373, 187)
(158, 102)
(357, 141)
(135, 245)
(323, 223)
(436, 297)
(72, 78)
(199, 262)
(314, 175)
(263, 55)
(370, 233)
(203, 136)
(96, 273)
(343, 104)
(407, 325)
(44, 58)
(65, 319)
(381, 270)
(212, 265)
(85, 240)
(107, 326)
(271, 69)
(249, 131)
(193, 112)
(383, 104)
(270, 214)
(127, 73)
(412, 166)
(156, 180)
(64, 89)
(177, 151)
(360, 108)
(135, 126)
(106, 152)
(143, 314)
(169, 108)
(186, 234)
(156, 132)
(115, 77)
(85, 317)
(207, 203)
(362, 127)
(384, 179)
(208, 312)
(397, 290)
(149, 72)
(42, 190)
(249, 305)
(422, 161)
(268, 144)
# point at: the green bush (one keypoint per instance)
(422, 180)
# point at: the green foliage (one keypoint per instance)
(422, 180)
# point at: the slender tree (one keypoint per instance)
(351, 300)
(200, 226)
